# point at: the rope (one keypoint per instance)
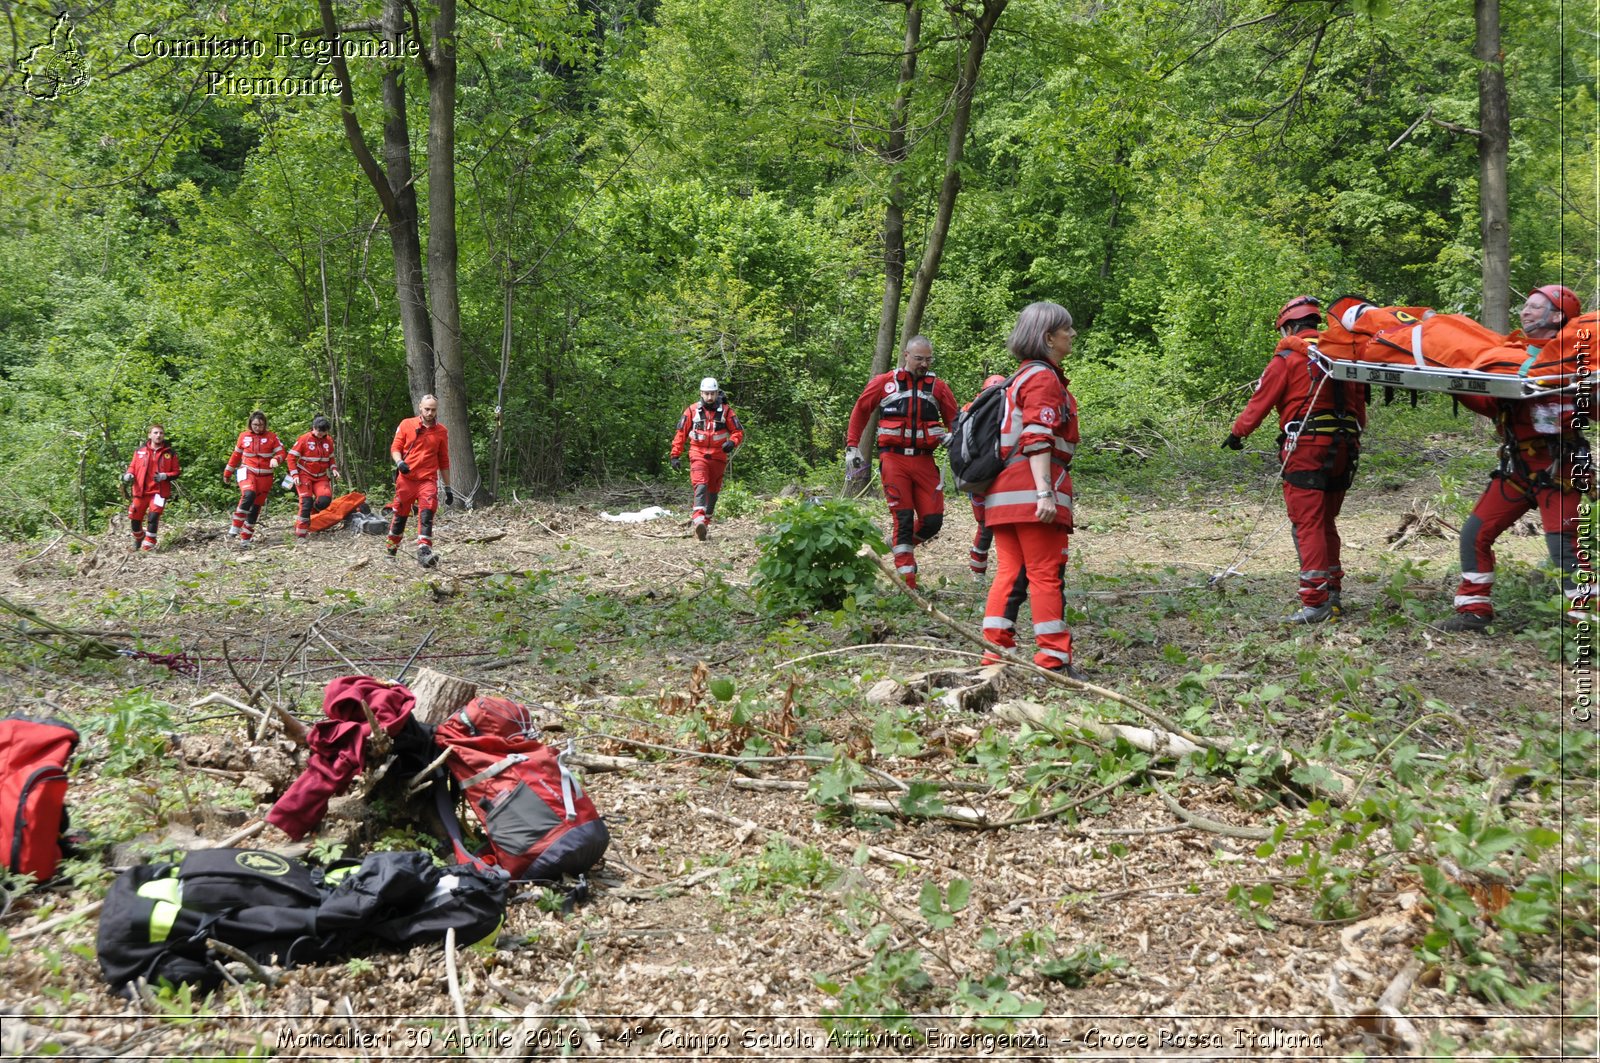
(1291, 441)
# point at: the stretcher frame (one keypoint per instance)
(1439, 378)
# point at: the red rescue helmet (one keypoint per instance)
(1301, 306)
(1564, 299)
(991, 380)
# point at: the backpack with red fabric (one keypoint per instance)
(539, 823)
(33, 793)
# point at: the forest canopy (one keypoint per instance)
(560, 217)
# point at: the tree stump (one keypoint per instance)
(438, 695)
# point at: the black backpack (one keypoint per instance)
(157, 918)
(975, 458)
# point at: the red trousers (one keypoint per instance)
(424, 491)
(1501, 505)
(253, 492)
(154, 504)
(1030, 558)
(705, 473)
(314, 497)
(1314, 511)
(915, 493)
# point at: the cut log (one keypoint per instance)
(438, 695)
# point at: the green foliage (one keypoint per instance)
(809, 556)
(134, 731)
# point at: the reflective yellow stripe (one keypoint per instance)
(168, 896)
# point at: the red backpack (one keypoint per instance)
(33, 793)
(539, 823)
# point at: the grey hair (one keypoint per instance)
(1037, 320)
(916, 341)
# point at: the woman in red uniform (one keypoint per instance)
(256, 456)
(1029, 506)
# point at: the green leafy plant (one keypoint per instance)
(134, 730)
(809, 557)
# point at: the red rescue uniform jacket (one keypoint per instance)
(914, 415)
(311, 458)
(1040, 414)
(256, 453)
(426, 450)
(1543, 431)
(705, 428)
(1288, 383)
(148, 461)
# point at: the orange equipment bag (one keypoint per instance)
(337, 512)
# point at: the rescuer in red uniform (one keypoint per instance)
(256, 455)
(421, 456)
(1321, 421)
(915, 412)
(711, 431)
(1029, 505)
(1545, 464)
(150, 476)
(312, 470)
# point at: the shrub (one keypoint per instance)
(809, 556)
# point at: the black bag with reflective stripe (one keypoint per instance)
(975, 457)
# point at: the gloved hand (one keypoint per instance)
(227, 475)
(1233, 442)
(161, 477)
(854, 463)
(677, 463)
(127, 477)
(449, 496)
(727, 446)
(402, 468)
(335, 474)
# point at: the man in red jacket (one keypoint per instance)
(1321, 421)
(256, 455)
(712, 432)
(150, 477)
(1545, 464)
(915, 413)
(312, 470)
(421, 455)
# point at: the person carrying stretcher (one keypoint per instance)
(1320, 443)
(1545, 464)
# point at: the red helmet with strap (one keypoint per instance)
(991, 380)
(1301, 306)
(1564, 299)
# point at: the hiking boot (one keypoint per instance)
(233, 533)
(392, 549)
(1072, 673)
(426, 557)
(701, 531)
(1311, 614)
(980, 578)
(1336, 603)
(1476, 623)
(147, 546)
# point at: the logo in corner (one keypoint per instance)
(56, 68)
(263, 863)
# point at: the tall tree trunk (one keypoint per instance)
(450, 383)
(1494, 140)
(894, 216)
(395, 194)
(966, 84)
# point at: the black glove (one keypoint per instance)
(727, 446)
(449, 496)
(1233, 442)
(127, 477)
(401, 467)
(677, 463)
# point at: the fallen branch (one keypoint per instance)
(454, 982)
(258, 972)
(1227, 830)
(750, 826)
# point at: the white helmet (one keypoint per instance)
(709, 384)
